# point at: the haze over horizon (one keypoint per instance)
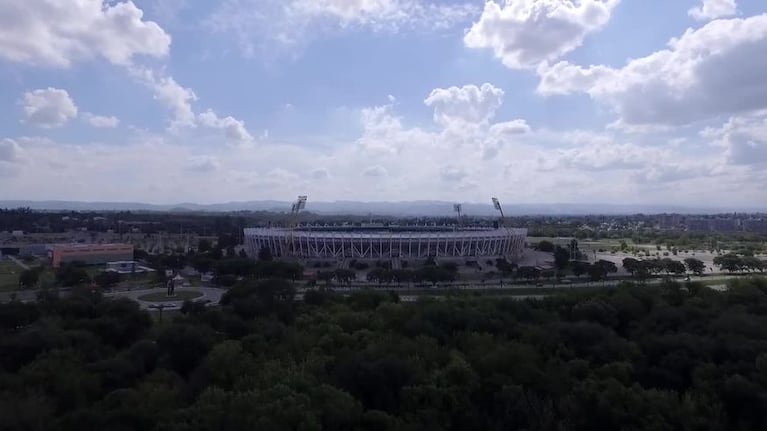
(652, 103)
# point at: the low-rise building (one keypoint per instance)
(90, 254)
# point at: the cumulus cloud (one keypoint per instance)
(383, 132)
(234, 129)
(59, 33)
(169, 93)
(101, 121)
(502, 133)
(712, 9)
(525, 33)
(47, 108)
(259, 23)
(203, 164)
(179, 99)
(469, 104)
(10, 151)
(708, 72)
(744, 139)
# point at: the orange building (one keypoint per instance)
(91, 254)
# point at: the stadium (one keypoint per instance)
(386, 243)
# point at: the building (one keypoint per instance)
(90, 254)
(698, 224)
(722, 224)
(385, 243)
(669, 221)
(758, 225)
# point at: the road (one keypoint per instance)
(213, 294)
(18, 262)
(210, 294)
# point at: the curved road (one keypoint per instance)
(210, 294)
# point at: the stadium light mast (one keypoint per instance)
(457, 209)
(497, 206)
(295, 209)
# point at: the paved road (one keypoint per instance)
(210, 294)
(18, 262)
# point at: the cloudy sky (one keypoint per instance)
(534, 101)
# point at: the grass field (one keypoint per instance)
(9, 275)
(162, 297)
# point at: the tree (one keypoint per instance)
(107, 279)
(29, 278)
(203, 245)
(528, 272)
(561, 258)
(607, 266)
(546, 246)
(580, 268)
(69, 275)
(729, 262)
(674, 266)
(695, 266)
(265, 254)
(631, 265)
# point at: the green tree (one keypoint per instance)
(107, 279)
(561, 258)
(29, 278)
(203, 245)
(695, 266)
(69, 275)
(546, 246)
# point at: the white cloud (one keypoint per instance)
(389, 160)
(47, 108)
(713, 71)
(712, 9)
(744, 139)
(525, 33)
(469, 104)
(453, 173)
(500, 134)
(10, 151)
(374, 171)
(258, 24)
(179, 100)
(101, 121)
(383, 132)
(320, 174)
(234, 129)
(170, 94)
(510, 128)
(203, 164)
(610, 157)
(61, 32)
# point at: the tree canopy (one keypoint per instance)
(662, 357)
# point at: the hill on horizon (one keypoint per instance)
(401, 208)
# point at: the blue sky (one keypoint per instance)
(534, 101)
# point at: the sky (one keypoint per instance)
(533, 101)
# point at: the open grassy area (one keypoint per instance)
(162, 297)
(9, 275)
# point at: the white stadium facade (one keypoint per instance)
(339, 243)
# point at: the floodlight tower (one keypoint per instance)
(296, 208)
(298, 205)
(457, 209)
(497, 206)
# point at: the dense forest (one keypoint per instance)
(670, 357)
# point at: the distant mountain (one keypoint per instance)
(404, 208)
